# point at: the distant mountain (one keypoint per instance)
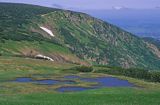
(67, 36)
(144, 23)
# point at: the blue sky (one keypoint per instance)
(93, 4)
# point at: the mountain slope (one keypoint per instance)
(154, 41)
(85, 37)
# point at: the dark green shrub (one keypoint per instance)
(136, 73)
(84, 68)
(154, 76)
(2, 41)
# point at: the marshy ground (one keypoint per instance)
(38, 82)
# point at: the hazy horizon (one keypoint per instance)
(92, 4)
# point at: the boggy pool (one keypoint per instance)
(101, 82)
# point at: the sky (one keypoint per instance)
(93, 4)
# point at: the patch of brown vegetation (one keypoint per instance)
(68, 58)
(154, 49)
(28, 52)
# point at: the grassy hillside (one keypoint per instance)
(14, 16)
(97, 41)
(32, 48)
(88, 38)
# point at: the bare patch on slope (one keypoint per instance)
(47, 31)
(154, 49)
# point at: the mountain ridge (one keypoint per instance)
(87, 38)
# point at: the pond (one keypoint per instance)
(104, 81)
(23, 79)
(43, 81)
(109, 82)
(73, 80)
(101, 83)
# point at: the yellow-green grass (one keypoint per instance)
(11, 67)
(14, 47)
(33, 48)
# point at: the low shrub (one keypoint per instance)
(84, 68)
(153, 76)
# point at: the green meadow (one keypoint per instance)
(13, 93)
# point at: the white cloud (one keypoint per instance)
(119, 7)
